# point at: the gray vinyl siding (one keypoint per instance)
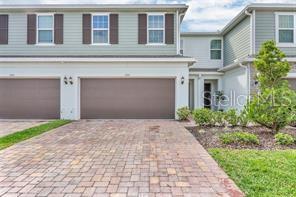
(265, 30)
(237, 42)
(128, 39)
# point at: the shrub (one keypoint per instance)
(284, 139)
(273, 108)
(244, 118)
(275, 103)
(219, 118)
(183, 113)
(203, 116)
(293, 120)
(232, 117)
(239, 137)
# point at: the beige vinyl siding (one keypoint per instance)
(237, 42)
(265, 30)
(128, 39)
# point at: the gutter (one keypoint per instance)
(188, 60)
(238, 63)
(93, 6)
(205, 73)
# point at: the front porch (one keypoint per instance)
(203, 86)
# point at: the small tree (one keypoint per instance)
(275, 103)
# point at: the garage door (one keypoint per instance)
(292, 83)
(127, 98)
(29, 98)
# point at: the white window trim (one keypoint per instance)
(163, 29)
(221, 49)
(37, 29)
(277, 14)
(93, 29)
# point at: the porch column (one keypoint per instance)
(200, 91)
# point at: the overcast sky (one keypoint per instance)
(203, 15)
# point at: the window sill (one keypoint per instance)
(100, 44)
(156, 44)
(290, 45)
(45, 45)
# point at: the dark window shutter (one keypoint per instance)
(169, 29)
(58, 28)
(142, 31)
(113, 28)
(86, 26)
(3, 29)
(31, 29)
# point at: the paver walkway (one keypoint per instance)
(113, 158)
(9, 127)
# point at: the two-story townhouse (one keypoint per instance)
(92, 61)
(225, 58)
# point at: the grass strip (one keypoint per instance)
(19, 136)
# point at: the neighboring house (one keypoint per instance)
(92, 61)
(225, 58)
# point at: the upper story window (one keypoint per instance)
(286, 29)
(216, 50)
(100, 29)
(156, 29)
(45, 29)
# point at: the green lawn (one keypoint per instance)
(260, 173)
(14, 138)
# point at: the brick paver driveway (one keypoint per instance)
(113, 158)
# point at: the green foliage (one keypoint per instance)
(244, 118)
(183, 113)
(14, 138)
(239, 137)
(293, 119)
(219, 118)
(273, 108)
(207, 117)
(258, 172)
(275, 104)
(203, 116)
(232, 117)
(271, 66)
(284, 139)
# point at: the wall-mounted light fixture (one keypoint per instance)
(71, 80)
(182, 80)
(256, 83)
(65, 80)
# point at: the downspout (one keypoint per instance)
(251, 30)
(178, 31)
(252, 43)
(178, 40)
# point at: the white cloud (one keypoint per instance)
(203, 15)
(213, 15)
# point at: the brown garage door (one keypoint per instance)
(29, 98)
(292, 83)
(127, 98)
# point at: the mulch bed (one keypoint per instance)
(209, 137)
